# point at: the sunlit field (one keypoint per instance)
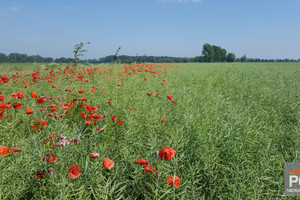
(148, 131)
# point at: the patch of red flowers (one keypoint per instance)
(107, 163)
(74, 171)
(50, 157)
(114, 118)
(173, 180)
(167, 153)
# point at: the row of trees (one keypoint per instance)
(210, 53)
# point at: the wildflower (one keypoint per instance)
(50, 171)
(114, 117)
(164, 119)
(40, 174)
(20, 95)
(33, 95)
(149, 168)
(80, 91)
(50, 157)
(119, 84)
(4, 150)
(167, 153)
(41, 99)
(174, 101)
(131, 109)
(94, 89)
(2, 98)
(173, 180)
(16, 149)
(169, 97)
(110, 102)
(101, 129)
(141, 161)
(74, 171)
(14, 95)
(17, 105)
(149, 93)
(94, 155)
(120, 123)
(107, 163)
(28, 111)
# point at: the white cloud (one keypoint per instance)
(180, 1)
(14, 9)
(70, 7)
(9, 11)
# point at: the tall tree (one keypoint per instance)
(3, 57)
(208, 53)
(244, 58)
(230, 57)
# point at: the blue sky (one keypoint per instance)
(256, 28)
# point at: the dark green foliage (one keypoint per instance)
(230, 57)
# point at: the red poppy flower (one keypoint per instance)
(33, 95)
(145, 78)
(164, 119)
(107, 163)
(149, 93)
(17, 105)
(141, 161)
(41, 99)
(21, 95)
(74, 171)
(28, 111)
(114, 117)
(169, 97)
(2, 98)
(173, 180)
(162, 83)
(110, 102)
(100, 129)
(94, 155)
(94, 89)
(119, 84)
(149, 168)
(167, 153)
(40, 174)
(4, 150)
(50, 157)
(131, 109)
(15, 149)
(120, 123)
(174, 101)
(80, 91)
(14, 95)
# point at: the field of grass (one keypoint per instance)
(232, 125)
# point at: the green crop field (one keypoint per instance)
(232, 126)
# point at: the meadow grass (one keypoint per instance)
(233, 126)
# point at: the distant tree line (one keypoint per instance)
(210, 53)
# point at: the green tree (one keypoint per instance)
(3, 57)
(208, 53)
(78, 51)
(243, 58)
(116, 56)
(230, 57)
